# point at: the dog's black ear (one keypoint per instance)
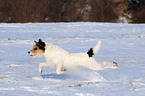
(41, 44)
(35, 41)
(40, 40)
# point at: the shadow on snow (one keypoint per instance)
(55, 76)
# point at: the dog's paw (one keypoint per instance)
(115, 64)
(40, 70)
(65, 70)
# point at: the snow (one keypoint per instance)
(122, 43)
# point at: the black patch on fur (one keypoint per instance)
(90, 52)
(41, 45)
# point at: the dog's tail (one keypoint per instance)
(94, 50)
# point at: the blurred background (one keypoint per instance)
(118, 11)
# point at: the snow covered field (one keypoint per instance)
(122, 43)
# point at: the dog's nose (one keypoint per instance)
(28, 52)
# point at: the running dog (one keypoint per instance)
(61, 60)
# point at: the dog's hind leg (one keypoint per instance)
(106, 64)
(41, 65)
(93, 65)
(100, 65)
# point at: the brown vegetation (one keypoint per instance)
(23, 10)
(139, 17)
(70, 10)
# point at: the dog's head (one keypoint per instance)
(38, 49)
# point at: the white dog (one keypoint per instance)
(61, 60)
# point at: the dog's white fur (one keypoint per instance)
(61, 60)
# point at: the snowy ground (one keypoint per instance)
(122, 43)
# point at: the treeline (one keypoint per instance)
(72, 10)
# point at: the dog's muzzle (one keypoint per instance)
(30, 53)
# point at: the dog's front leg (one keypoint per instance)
(59, 69)
(41, 65)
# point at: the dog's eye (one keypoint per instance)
(35, 48)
